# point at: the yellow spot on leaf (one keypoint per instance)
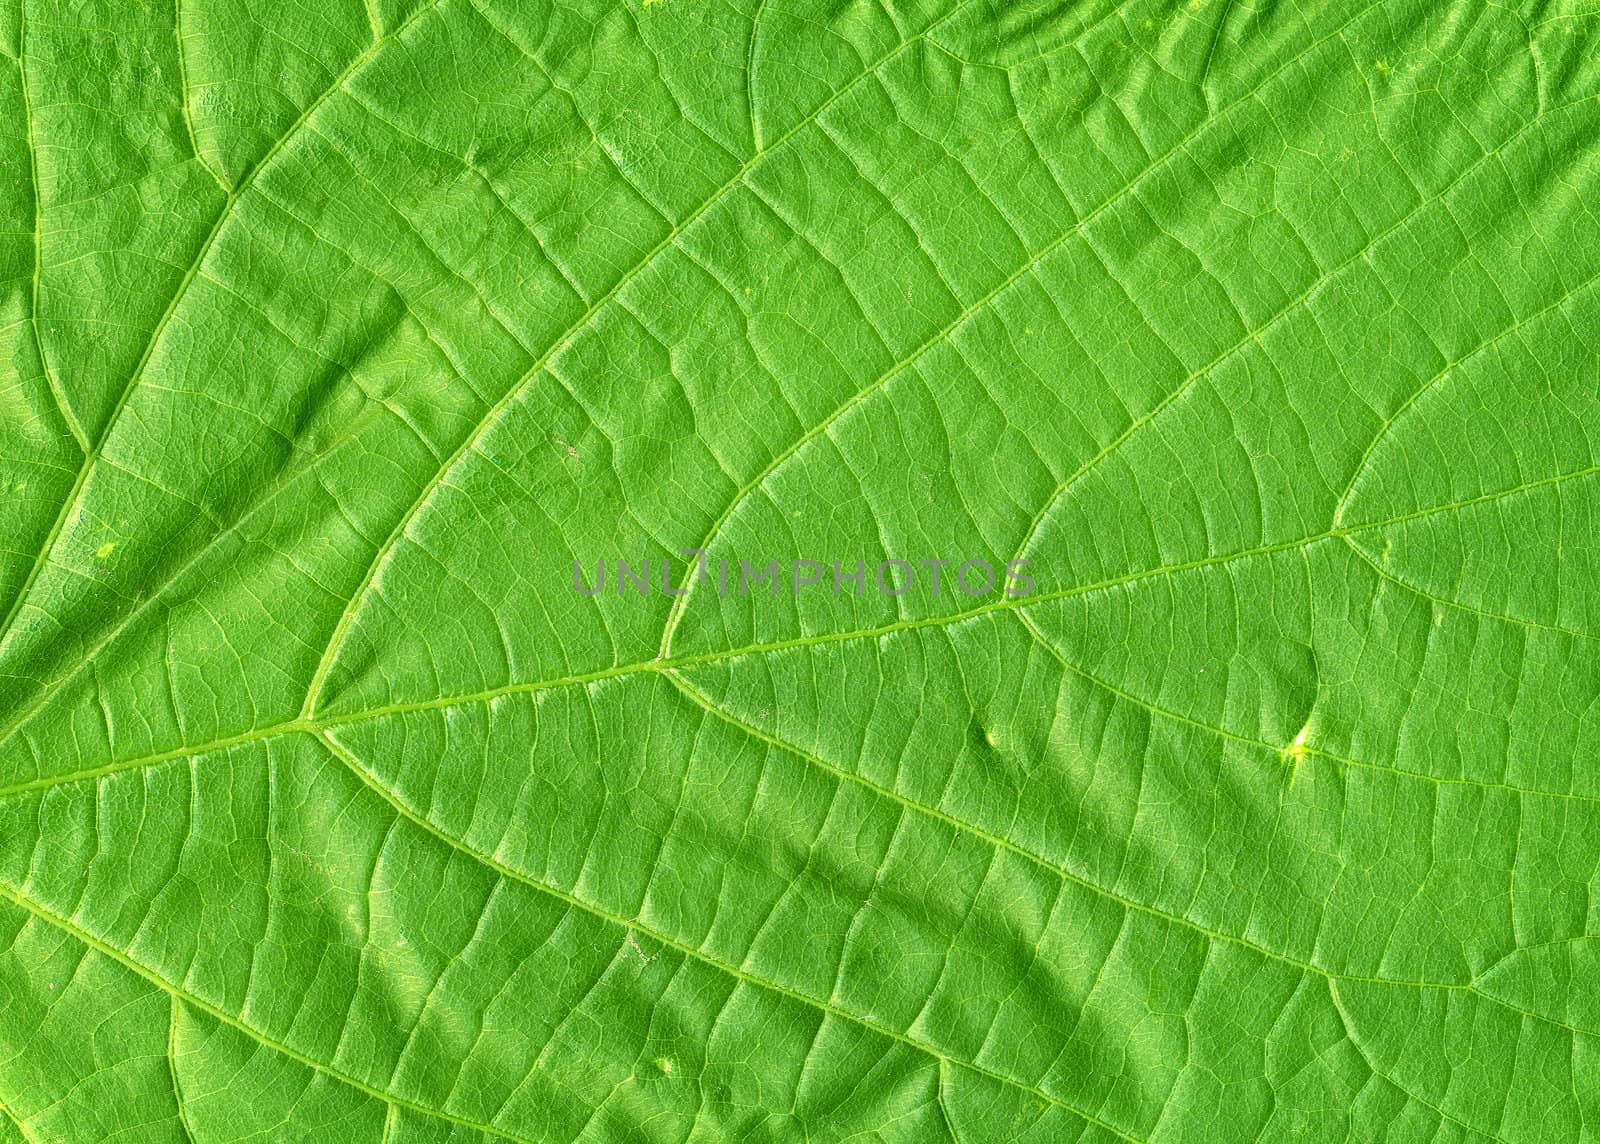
(1293, 754)
(1297, 748)
(637, 948)
(105, 549)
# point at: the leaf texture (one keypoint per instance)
(335, 334)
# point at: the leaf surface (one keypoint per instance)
(336, 334)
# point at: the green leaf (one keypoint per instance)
(336, 334)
